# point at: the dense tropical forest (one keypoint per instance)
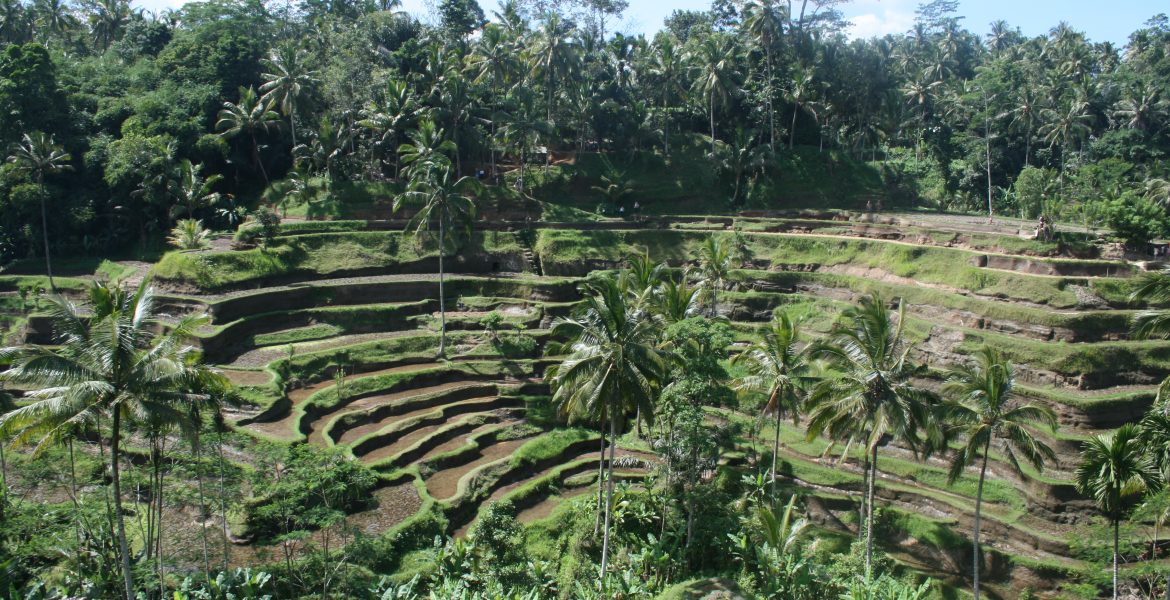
(317, 299)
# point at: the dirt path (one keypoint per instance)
(283, 428)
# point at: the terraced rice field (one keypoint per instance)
(461, 426)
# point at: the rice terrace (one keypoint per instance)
(357, 299)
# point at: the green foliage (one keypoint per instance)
(306, 488)
(1137, 220)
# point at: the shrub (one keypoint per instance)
(189, 234)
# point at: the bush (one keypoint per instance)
(1137, 220)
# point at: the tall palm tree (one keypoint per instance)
(110, 362)
(714, 64)
(676, 300)
(873, 393)
(1154, 289)
(800, 93)
(447, 202)
(715, 261)
(666, 67)
(1024, 112)
(14, 22)
(1140, 108)
(1065, 127)
(107, 20)
(427, 152)
(493, 62)
(982, 411)
(613, 365)
(554, 56)
(390, 120)
(763, 21)
(54, 18)
(777, 366)
(250, 116)
(1115, 467)
(193, 190)
(38, 155)
(286, 79)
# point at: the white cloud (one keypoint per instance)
(879, 24)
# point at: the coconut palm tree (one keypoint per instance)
(667, 69)
(1065, 127)
(448, 203)
(286, 79)
(1115, 467)
(778, 367)
(109, 362)
(248, 117)
(427, 152)
(714, 65)
(801, 89)
(676, 300)
(193, 190)
(1024, 112)
(38, 155)
(389, 120)
(54, 18)
(612, 365)
(982, 411)
(873, 394)
(763, 22)
(108, 20)
(715, 256)
(554, 56)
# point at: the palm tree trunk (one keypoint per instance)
(600, 477)
(977, 553)
(78, 519)
(442, 308)
(222, 501)
(1116, 550)
(123, 545)
(608, 496)
(666, 491)
(771, 112)
(711, 110)
(792, 132)
(869, 514)
(775, 446)
(45, 237)
(292, 126)
(202, 512)
(3, 481)
(256, 159)
(158, 553)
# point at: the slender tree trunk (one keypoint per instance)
(666, 492)
(123, 545)
(990, 211)
(78, 521)
(600, 478)
(976, 551)
(3, 481)
(45, 236)
(771, 112)
(442, 307)
(1028, 145)
(202, 511)
(1116, 551)
(869, 515)
(776, 445)
(158, 553)
(711, 110)
(222, 500)
(608, 496)
(256, 159)
(292, 125)
(792, 132)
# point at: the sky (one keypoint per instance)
(1112, 21)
